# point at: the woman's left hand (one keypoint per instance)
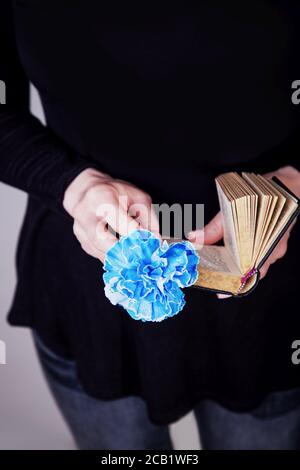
(290, 177)
(213, 231)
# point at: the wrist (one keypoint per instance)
(80, 185)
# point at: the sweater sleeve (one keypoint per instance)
(32, 157)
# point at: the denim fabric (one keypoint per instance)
(274, 425)
(123, 424)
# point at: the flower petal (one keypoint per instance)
(145, 277)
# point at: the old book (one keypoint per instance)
(256, 213)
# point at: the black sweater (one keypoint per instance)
(166, 99)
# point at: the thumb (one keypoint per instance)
(213, 231)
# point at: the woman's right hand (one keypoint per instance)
(96, 202)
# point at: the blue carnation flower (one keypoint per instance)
(145, 276)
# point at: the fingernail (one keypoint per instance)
(192, 238)
(192, 235)
(223, 296)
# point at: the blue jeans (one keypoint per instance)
(123, 424)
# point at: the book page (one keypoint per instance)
(280, 202)
(291, 205)
(217, 258)
(268, 216)
(246, 206)
(255, 211)
(232, 196)
(264, 204)
(217, 270)
(238, 207)
(252, 210)
(230, 238)
(213, 258)
(242, 198)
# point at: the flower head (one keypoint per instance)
(145, 276)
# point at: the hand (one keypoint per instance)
(98, 202)
(291, 179)
(211, 234)
(213, 231)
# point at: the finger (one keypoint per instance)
(292, 225)
(104, 239)
(90, 230)
(223, 296)
(278, 253)
(85, 243)
(213, 231)
(280, 250)
(154, 222)
(264, 269)
(118, 219)
(197, 238)
(85, 221)
(90, 250)
(145, 214)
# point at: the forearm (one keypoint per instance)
(33, 159)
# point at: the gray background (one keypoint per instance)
(29, 418)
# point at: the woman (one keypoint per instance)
(151, 103)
